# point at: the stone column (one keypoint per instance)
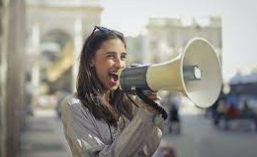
(3, 67)
(78, 41)
(3, 72)
(14, 106)
(35, 70)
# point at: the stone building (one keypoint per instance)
(165, 38)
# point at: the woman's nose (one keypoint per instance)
(120, 64)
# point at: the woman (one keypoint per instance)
(99, 121)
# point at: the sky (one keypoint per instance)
(239, 24)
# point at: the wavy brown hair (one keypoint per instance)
(89, 87)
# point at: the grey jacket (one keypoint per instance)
(91, 137)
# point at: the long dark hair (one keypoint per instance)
(90, 89)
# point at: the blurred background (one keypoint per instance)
(40, 41)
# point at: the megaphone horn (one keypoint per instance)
(195, 73)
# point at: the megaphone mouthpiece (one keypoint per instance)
(134, 77)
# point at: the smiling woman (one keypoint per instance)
(99, 120)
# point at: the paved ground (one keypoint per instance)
(200, 139)
(44, 138)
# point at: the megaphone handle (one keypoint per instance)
(153, 104)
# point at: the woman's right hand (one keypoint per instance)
(153, 96)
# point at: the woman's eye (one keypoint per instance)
(123, 57)
(110, 56)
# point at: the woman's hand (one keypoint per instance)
(153, 96)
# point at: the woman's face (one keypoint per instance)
(108, 60)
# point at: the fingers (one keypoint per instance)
(155, 98)
(153, 95)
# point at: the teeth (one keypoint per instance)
(114, 74)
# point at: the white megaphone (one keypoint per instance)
(196, 73)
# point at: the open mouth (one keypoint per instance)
(114, 77)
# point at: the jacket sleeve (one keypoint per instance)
(154, 140)
(84, 140)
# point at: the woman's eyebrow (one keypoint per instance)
(124, 53)
(111, 52)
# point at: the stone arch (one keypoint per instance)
(56, 50)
